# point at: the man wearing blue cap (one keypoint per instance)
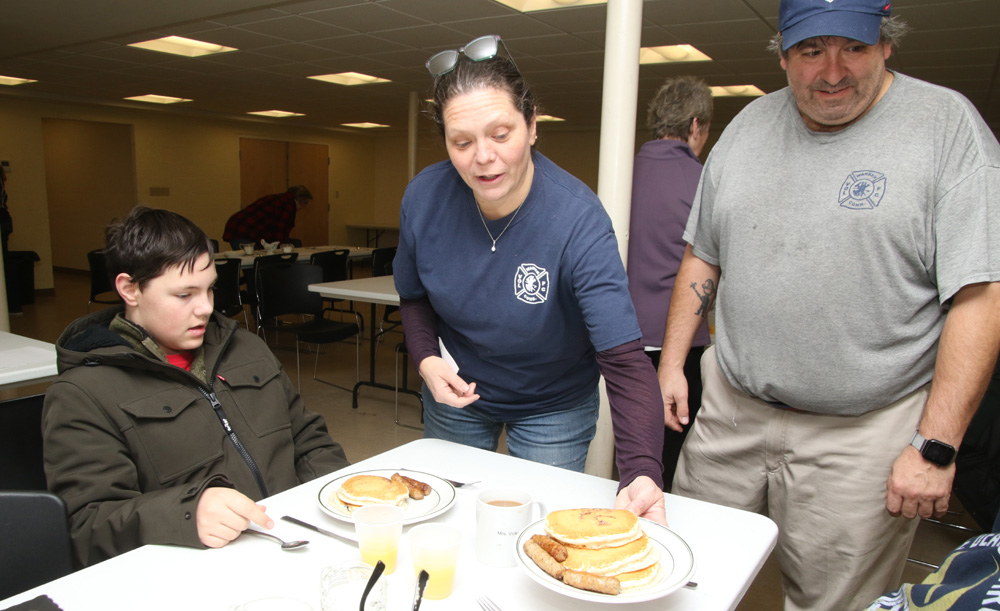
(848, 225)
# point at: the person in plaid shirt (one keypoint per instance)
(270, 218)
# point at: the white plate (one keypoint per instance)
(440, 500)
(676, 560)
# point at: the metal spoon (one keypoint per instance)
(376, 573)
(285, 545)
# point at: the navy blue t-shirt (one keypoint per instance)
(522, 322)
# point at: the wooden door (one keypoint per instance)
(308, 164)
(271, 166)
(263, 169)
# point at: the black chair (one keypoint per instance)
(33, 525)
(21, 444)
(36, 540)
(334, 264)
(228, 300)
(284, 291)
(251, 296)
(100, 283)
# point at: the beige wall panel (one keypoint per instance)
(90, 180)
(21, 145)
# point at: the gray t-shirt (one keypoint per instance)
(840, 250)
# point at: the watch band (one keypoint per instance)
(937, 452)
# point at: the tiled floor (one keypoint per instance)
(371, 428)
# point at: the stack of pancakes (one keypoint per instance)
(371, 490)
(606, 542)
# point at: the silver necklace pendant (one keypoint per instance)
(486, 227)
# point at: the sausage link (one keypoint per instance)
(415, 492)
(543, 559)
(553, 547)
(594, 583)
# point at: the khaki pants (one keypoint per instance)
(822, 479)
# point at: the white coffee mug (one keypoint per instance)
(501, 514)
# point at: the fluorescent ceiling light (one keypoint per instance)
(157, 99)
(671, 53)
(178, 45)
(13, 80)
(736, 90)
(349, 78)
(365, 125)
(526, 6)
(276, 113)
(548, 118)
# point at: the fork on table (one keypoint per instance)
(486, 604)
(459, 484)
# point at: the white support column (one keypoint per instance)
(411, 130)
(614, 181)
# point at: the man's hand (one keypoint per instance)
(918, 487)
(674, 390)
(224, 513)
(643, 498)
(445, 384)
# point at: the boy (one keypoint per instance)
(167, 421)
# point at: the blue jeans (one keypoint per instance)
(560, 439)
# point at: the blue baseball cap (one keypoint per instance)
(855, 19)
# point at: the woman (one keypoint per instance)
(513, 263)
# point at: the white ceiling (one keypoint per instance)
(77, 51)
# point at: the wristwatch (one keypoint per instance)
(937, 452)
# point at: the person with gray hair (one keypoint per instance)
(664, 180)
(850, 224)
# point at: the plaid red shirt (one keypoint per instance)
(270, 218)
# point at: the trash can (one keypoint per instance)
(19, 269)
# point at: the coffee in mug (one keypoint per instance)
(501, 515)
(504, 503)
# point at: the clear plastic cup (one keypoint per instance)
(378, 528)
(341, 587)
(434, 548)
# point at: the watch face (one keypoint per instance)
(938, 453)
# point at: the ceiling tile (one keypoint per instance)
(366, 18)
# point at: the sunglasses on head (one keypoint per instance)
(480, 49)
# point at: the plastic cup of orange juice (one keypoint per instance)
(378, 528)
(434, 548)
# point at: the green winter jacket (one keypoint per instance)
(132, 441)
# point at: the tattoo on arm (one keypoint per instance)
(706, 295)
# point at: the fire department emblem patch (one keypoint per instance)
(863, 190)
(531, 283)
